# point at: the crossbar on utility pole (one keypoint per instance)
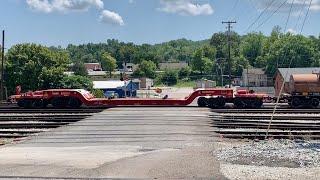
(2, 68)
(229, 23)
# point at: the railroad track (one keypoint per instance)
(50, 110)
(254, 125)
(267, 110)
(19, 123)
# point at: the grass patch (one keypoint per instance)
(181, 84)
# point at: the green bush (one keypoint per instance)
(98, 93)
(184, 72)
(169, 77)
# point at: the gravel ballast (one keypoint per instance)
(270, 159)
(273, 153)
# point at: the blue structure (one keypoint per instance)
(118, 89)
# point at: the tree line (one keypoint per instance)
(250, 50)
(38, 67)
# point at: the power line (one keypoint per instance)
(233, 9)
(260, 15)
(300, 14)
(274, 12)
(289, 14)
(305, 18)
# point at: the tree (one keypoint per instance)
(79, 69)
(51, 78)
(252, 48)
(76, 82)
(108, 63)
(292, 51)
(239, 64)
(34, 67)
(88, 58)
(184, 72)
(220, 41)
(169, 77)
(146, 69)
(201, 63)
(209, 52)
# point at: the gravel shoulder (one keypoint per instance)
(272, 159)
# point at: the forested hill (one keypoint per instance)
(172, 51)
(250, 50)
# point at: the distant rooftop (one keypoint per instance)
(172, 65)
(254, 71)
(287, 72)
(108, 84)
(93, 66)
(96, 73)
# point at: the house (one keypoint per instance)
(237, 81)
(172, 65)
(283, 75)
(129, 67)
(146, 83)
(119, 88)
(254, 77)
(93, 66)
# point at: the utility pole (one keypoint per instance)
(2, 68)
(229, 23)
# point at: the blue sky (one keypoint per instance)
(63, 22)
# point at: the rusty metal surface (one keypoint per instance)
(305, 83)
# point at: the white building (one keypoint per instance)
(254, 77)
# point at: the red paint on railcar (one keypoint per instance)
(84, 97)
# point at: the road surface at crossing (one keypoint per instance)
(120, 143)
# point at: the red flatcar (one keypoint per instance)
(75, 98)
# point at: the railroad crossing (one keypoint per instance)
(119, 143)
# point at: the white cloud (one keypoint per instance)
(49, 6)
(185, 7)
(110, 17)
(291, 31)
(43, 6)
(131, 1)
(63, 5)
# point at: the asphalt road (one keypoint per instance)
(120, 143)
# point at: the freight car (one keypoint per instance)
(75, 98)
(304, 90)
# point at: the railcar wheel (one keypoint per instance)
(74, 102)
(20, 103)
(315, 102)
(239, 103)
(220, 102)
(202, 102)
(38, 103)
(28, 103)
(212, 103)
(257, 103)
(295, 102)
(59, 102)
